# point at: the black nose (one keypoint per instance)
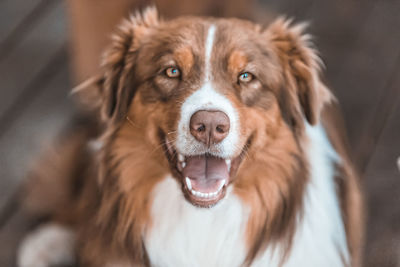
(209, 127)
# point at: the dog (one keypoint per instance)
(218, 145)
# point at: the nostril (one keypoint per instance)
(220, 129)
(201, 128)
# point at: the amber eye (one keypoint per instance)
(245, 77)
(172, 72)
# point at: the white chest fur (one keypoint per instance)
(183, 235)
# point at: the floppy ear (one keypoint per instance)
(111, 91)
(301, 69)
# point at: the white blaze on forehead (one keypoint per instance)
(208, 51)
(207, 98)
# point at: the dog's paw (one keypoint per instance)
(50, 244)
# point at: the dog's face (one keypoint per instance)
(205, 84)
(204, 98)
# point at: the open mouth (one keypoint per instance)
(204, 178)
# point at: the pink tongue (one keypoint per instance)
(206, 172)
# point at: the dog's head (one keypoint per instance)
(203, 98)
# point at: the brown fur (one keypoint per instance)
(139, 106)
(348, 182)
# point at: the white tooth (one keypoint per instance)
(181, 157)
(221, 184)
(188, 183)
(183, 164)
(206, 195)
(228, 164)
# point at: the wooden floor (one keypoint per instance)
(358, 40)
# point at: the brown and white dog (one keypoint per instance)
(220, 146)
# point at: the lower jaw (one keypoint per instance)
(208, 202)
(205, 200)
(201, 202)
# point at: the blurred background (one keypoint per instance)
(48, 46)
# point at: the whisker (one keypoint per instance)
(171, 132)
(131, 122)
(163, 143)
(245, 151)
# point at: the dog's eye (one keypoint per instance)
(245, 77)
(172, 72)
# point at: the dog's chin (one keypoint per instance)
(204, 178)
